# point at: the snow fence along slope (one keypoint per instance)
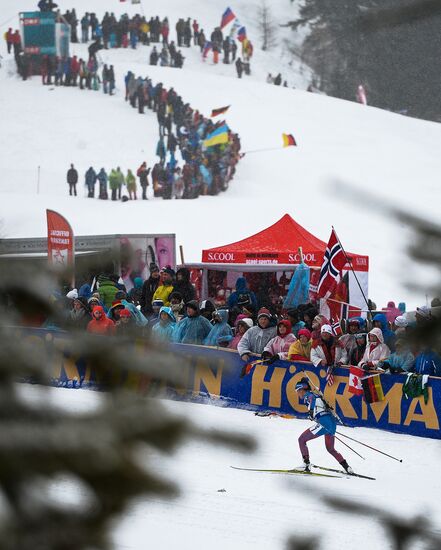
(391, 156)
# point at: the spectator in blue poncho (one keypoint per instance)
(242, 296)
(164, 328)
(380, 321)
(401, 360)
(138, 317)
(220, 329)
(194, 328)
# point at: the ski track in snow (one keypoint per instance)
(260, 511)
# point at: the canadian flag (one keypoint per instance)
(355, 376)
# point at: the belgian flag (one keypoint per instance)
(220, 111)
(288, 140)
(372, 388)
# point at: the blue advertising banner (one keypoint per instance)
(213, 375)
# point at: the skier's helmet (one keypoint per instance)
(303, 384)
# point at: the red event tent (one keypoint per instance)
(278, 244)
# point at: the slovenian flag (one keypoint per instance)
(220, 111)
(241, 34)
(219, 136)
(288, 140)
(227, 17)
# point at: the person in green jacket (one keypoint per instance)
(131, 184)
(107, 288)
(121, 181)
(113, 183)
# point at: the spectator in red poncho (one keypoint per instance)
(100, 323)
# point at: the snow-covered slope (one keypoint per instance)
(395, 157)
(259, 511)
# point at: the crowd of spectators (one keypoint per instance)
(204, 171)
(129, 32)
(164, 307)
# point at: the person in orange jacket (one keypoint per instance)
(100, 323)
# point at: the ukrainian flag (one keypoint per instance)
(220, 135)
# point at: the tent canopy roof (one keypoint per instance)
(278, 243)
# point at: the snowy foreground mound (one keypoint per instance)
(259, 511)
(391, 156)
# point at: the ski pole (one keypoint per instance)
(345, 444)
(369, 447)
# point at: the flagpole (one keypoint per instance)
(352, 269)
(263, 150)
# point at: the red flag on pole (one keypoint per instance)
(355, 376)
(334, 260)
(60, 241)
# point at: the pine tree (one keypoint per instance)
(97, 451)
(391, 48)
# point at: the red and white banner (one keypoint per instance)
(60, 241)
(355, 376)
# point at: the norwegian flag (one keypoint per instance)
(355, 376)
(336, 327)
(334, 260)
(330, 376)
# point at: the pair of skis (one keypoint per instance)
(295, 471)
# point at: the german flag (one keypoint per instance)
(220, 111)
(372, 388)
(288, 140)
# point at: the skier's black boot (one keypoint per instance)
(346, 466)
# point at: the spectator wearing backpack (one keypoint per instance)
(242, 296)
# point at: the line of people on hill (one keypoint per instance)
(71, 71)
(115, 181)
(206, 170)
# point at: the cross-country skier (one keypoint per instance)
(319, 411)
